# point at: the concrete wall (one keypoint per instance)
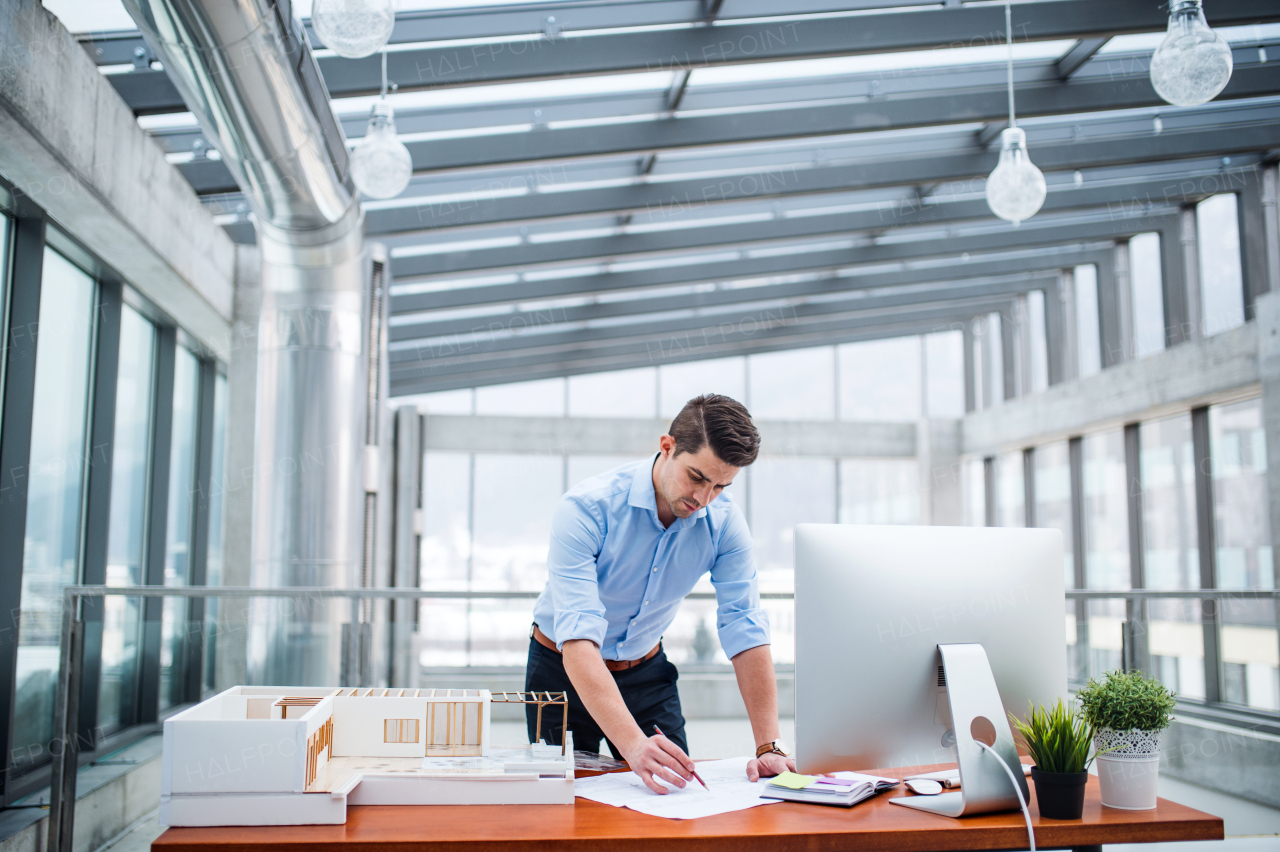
(1231, 760)
(72, 145)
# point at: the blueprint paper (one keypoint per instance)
(729, 790)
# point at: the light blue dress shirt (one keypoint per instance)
(617, 576)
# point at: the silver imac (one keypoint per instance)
(873, 603)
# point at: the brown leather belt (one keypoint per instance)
(611, 665)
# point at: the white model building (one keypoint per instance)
(257, 755)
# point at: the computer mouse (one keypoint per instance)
(924, 786)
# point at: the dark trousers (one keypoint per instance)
(649, 691)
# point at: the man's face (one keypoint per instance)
(690, 481)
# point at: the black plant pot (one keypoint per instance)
(1060, 795)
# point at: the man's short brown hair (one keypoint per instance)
(722, 423)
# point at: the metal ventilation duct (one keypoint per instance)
(245, 70)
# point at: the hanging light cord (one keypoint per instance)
(1008, 34)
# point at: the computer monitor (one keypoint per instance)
(872, 605)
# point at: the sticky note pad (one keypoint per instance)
(792, 781)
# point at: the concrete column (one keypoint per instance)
(1268, 319)
(1114, 316)
(1259, 238)
(242, 381)
(406, 537)
(938, 453)
(1174, 271)
(1060, 328)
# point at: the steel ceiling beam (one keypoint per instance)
(655, 200)
(597, 364)
(1041, 231)
(933, 105)
(729, 43)
(532, 317)
(744, 319)
(668, 348)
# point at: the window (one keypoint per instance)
(1036, 362)
(973, 487)
(4, 297)
(1106, 511)
(794, 385)
(55, 494)
(214, 559)
(126, 542)
(541, 398)
(679, 383)
(1147, 289)
(1221, 280)
(880, 380)
(1241, 505)
(177, 552)
(944, 374)
(621, 393)
(585, 467)
(1088, 333)
(879, 491)
(1053, 498)
(446, 555)
(1171, 558)
(1010, 490)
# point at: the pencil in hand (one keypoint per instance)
(693, 772)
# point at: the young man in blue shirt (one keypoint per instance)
(626, 547)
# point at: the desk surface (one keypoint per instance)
(872, 826)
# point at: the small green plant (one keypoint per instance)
(1126, 701)
(1058, 738)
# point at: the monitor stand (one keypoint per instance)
(977, 715)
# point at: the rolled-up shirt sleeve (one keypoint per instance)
(576, 539)
(740, 620)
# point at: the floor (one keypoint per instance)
(1249, 827)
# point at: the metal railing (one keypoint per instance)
(71, 661)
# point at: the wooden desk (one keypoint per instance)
(872, 826)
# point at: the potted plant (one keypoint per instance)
(1128, 711)
(1058, 739)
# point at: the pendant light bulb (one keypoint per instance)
(353, 28)
(380, 163)
(1016, 189)
(1193, 63)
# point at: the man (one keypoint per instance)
(626, 547)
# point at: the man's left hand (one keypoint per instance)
(769, 765)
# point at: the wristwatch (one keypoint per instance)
(775, 746)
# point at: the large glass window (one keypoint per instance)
(1146, 282)
(1241, 506)
(679, 383)
(1088, 330)
(1221, 280)
(1053, 498)
(944, 374)
(879, 491)
(1171, 555)
(214, 559)
(446, 555)
(1010, 490)
(880, 379)
(175, 627)
(545, 397)
(794, 385)
(1106, 511)
(973, 488)
(4, 297)
(55, 495)
(621, 393)
(126, 542)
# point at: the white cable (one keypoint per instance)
(1017, 788)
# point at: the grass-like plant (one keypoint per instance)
(1058, 738)
(1126, 701)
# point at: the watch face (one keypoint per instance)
(781, 745)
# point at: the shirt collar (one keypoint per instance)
(643, 497)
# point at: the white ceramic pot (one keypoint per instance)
(1128, 773)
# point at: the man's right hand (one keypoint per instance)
(658, 757)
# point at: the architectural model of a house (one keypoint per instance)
(258, 755)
